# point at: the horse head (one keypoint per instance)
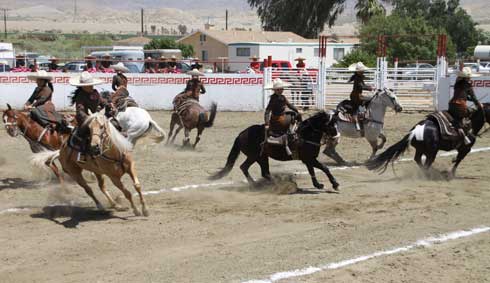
(103, 135)
(10, 121)
(323, 122)
(387, 98)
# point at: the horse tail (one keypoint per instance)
(209, 123)
(162, 135)
(380, 162)
(230, 162)
(47, 157)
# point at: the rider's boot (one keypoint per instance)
(467, 140)
(81, 158)
(286, 146)
(358, 127)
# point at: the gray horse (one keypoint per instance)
(372, 125)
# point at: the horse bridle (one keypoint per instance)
(15, 126)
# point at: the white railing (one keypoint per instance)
(303, 88)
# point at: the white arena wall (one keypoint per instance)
(232, 92)
(481, 86)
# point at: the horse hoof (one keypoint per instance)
(145, 212)
(100, 207)
(319, 186)
(119, 208)
(335, 186)
(136, 212)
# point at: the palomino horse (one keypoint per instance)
(373, 125)
(39, 138)
(110, 156)
(426, 138)
(310, 133)
(190, 114)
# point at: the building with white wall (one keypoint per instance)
(287, 51)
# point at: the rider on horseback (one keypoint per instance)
(195, 74)
(357, 98)
(41, 107)
(120, 99)
(278, 122)
(85, 98)
(458, 108)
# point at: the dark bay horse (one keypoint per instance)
(310, 134)
(39, 138)
(189, 114)
(425, 137)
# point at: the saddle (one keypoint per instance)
(446, 128)
(287, 139)
(122, 103)
(345, 112)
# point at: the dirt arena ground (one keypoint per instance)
(229, 233)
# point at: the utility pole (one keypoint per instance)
(226, 24)
(74, 10)
(142, 23)
(5, 21)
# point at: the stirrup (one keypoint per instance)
(81, 158)
(467, 140)
(288, 151)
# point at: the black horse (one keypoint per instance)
(310, 134)
(425, 137)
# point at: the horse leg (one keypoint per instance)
(332, 153)
(198, 137)
(187, 137)
(137, 187)
(117, 182)
(374, 148)
(177, 132)
(56, 172)
(172, 125)
(327, 172)
(383, 141)
(462, 152)
(244, 167)
(264, 168)
(101, 183)
(77, 176)
(311, 170)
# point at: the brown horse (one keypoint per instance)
(190, 114)
(110, 155)
(39, 138)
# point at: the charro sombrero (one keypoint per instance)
(195, 72)
(84, 79)
(43, 75)
(358, 67)
(119, 67)
(467, 73)
(278, 84)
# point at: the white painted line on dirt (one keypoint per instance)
(445, 154)
(427, 242)
(188, 187)
(14, 210)
(209, 185)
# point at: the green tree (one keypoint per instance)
(366, 9)
(421, 47)
(443, 15)
(357, 55)
(167, 43)
(306, 18)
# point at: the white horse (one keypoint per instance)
(137, 123)
(372, 125)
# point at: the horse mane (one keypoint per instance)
(117, 139)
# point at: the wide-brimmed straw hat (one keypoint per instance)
(173, 58)
(119, 67)
(467, 73)
(358, 67)
(195, 72)
(278, 84)
(84, 79)
(300, 59)
(43, 75)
